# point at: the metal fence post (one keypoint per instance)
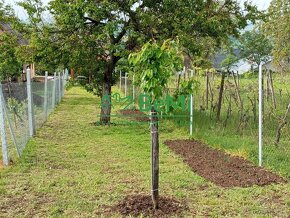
(3, 132)
(126, 84)
(59, 87)
(120, 80)
(144, 99)
(260, 113)
(133, 88)
(45, 96)
(63, 83)
(191, 114)
(54, 91)
(191, 109)
(30, 104)
(9, 123)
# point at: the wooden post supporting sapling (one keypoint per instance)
(156, 65)
(154, 156)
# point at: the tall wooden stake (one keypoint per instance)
(154, 157)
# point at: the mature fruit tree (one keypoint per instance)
(99, 33)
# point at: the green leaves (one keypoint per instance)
(9, 65)
(154, 64)
(229, 61)
(278, 29)
(255, 47)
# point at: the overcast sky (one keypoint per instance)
(262, 5)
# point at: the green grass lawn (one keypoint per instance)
(73, 168)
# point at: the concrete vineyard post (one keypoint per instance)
(3, 132)
(45, 96)
(191, 109)
(260, 113)
(120, 80)
(126, 76)
(59, 87)
(54, 91)
(133, 89)
(12, 131)
(62, 84)
(30, 104)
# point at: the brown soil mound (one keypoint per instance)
(135, 115)
(221, 168)
(135, 205)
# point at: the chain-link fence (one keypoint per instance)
(24, 107)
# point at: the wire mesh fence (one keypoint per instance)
(15, 99)
(226, 114)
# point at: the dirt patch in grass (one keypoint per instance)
(220, 168)
(135, 114)
(1, 164)
(27, 205)
(135, 205)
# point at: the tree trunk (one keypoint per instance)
(72, 74)
(219, 106)
(154, 157)
(105, 116)
(207, 89)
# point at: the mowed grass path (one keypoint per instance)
(75, 169)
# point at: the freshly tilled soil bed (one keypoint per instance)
(135, 205)
(220, 168)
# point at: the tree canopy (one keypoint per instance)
(255, 47)
(94, 36)
(10, 40)
(278, 29)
